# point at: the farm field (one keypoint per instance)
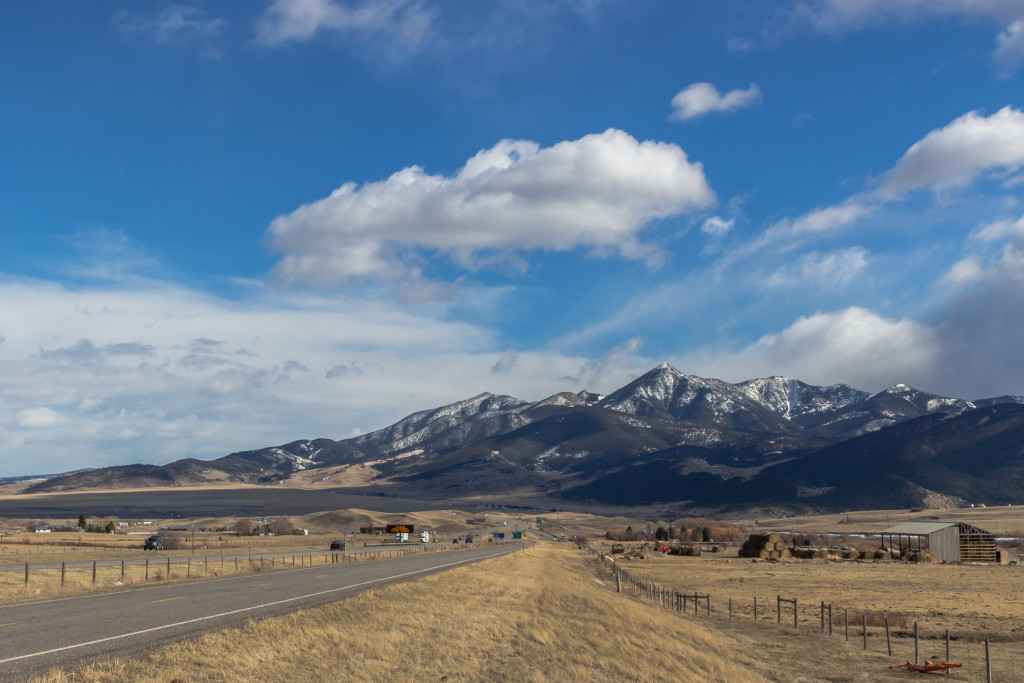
(974, 602)
(999, 520)
(550, 613)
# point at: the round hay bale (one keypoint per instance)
(774, 554)
(779, 545)
(914, 557)
(881, 555)
(717, 549)
(785, 554)
(867, 554)
(696, 551)
(764, 554)
(774, 537)
(851, 554)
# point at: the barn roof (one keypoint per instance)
(918, 528)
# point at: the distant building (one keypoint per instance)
(947, 541)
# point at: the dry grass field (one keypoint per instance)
(548, 614)
(974, 602)
(206, 560)
(999, 520)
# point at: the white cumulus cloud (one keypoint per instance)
(35, 418)
(957, 154)
(854, 345)
(597, 193)
(699, 99)
(716, 226)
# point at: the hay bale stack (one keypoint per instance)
(686, 550)
(763, 546)
(881, 555)
(851, 554)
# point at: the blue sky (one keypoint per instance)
(232, 225)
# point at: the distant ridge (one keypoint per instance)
(664, 437)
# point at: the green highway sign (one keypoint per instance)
(517, 534)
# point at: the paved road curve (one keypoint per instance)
(70, 631)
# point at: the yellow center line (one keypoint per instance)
(263, 584)
(166, 599)
(320, 576)
(10, 624)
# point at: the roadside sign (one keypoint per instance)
(499, 534)
(517, 534)
(399, 528)
(539, 520)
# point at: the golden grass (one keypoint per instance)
(973, 601)
(548, 614)
(49, 583)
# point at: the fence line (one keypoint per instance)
(182, 566)
(678, 603)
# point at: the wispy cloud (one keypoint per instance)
(179, 25)
(836, 17)
(402, 23)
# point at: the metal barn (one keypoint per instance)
(947, 541)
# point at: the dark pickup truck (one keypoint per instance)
(153, 543)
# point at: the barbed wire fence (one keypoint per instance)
(982, 657)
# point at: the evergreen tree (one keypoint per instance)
(81, 520)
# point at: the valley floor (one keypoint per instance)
(549, 613)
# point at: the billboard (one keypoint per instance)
(399, 528)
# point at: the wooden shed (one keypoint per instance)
(947, 541)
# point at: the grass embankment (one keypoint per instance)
(547, 614)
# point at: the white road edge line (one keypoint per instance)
(236, 611)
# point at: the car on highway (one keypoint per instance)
(153, 543)
(337, 545)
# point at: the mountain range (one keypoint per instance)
(666, 437)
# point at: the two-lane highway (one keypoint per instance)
(70, 631)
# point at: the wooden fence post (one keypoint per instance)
(864, 628)
(94, 571)
(26, 573)
(988, 662)
(62, 573)
(888, 640)
(916, 644)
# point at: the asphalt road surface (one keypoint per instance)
(68, 632)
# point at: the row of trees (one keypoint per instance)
(671, 533)
(279, 527)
